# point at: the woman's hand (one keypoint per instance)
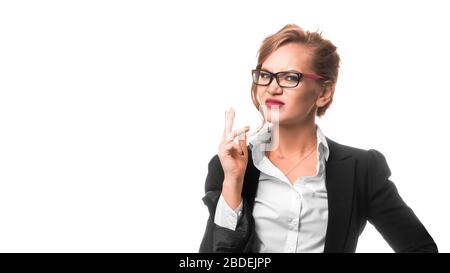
(233, 158)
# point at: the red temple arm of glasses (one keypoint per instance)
(312, 76)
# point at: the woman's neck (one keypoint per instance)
(296, 139)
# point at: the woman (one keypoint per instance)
(306, 193)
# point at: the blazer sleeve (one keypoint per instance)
(217, 238)
(390, 215)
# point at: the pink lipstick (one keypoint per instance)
(273, 102)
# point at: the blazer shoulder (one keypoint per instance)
(215, 175)
(367, 158)
(342, 150)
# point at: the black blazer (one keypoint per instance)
(358, 189)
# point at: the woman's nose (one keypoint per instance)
(274, 88)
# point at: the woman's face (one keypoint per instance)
(300, 102)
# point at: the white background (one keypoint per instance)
(111, 110)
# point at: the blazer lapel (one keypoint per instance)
(340, 188)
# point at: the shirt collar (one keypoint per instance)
(261, 140)
(322, 140)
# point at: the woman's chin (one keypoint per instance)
(273, 115)
(277, 119)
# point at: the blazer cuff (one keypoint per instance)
(227, 240)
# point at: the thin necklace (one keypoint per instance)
(296, 165)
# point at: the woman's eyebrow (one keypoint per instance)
(290, 70)
(293, 70)
(263, 68)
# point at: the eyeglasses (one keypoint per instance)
(284, 79)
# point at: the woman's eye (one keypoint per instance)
(265, 75)
(291, 78)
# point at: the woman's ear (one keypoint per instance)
(327, 91)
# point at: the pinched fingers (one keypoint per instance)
(231, 136)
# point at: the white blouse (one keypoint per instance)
(288, 217)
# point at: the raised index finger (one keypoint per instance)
(229, 117)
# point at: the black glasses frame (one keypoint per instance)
(275, 75)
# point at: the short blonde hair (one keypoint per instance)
(325, 61)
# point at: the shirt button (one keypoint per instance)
(291, 249)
